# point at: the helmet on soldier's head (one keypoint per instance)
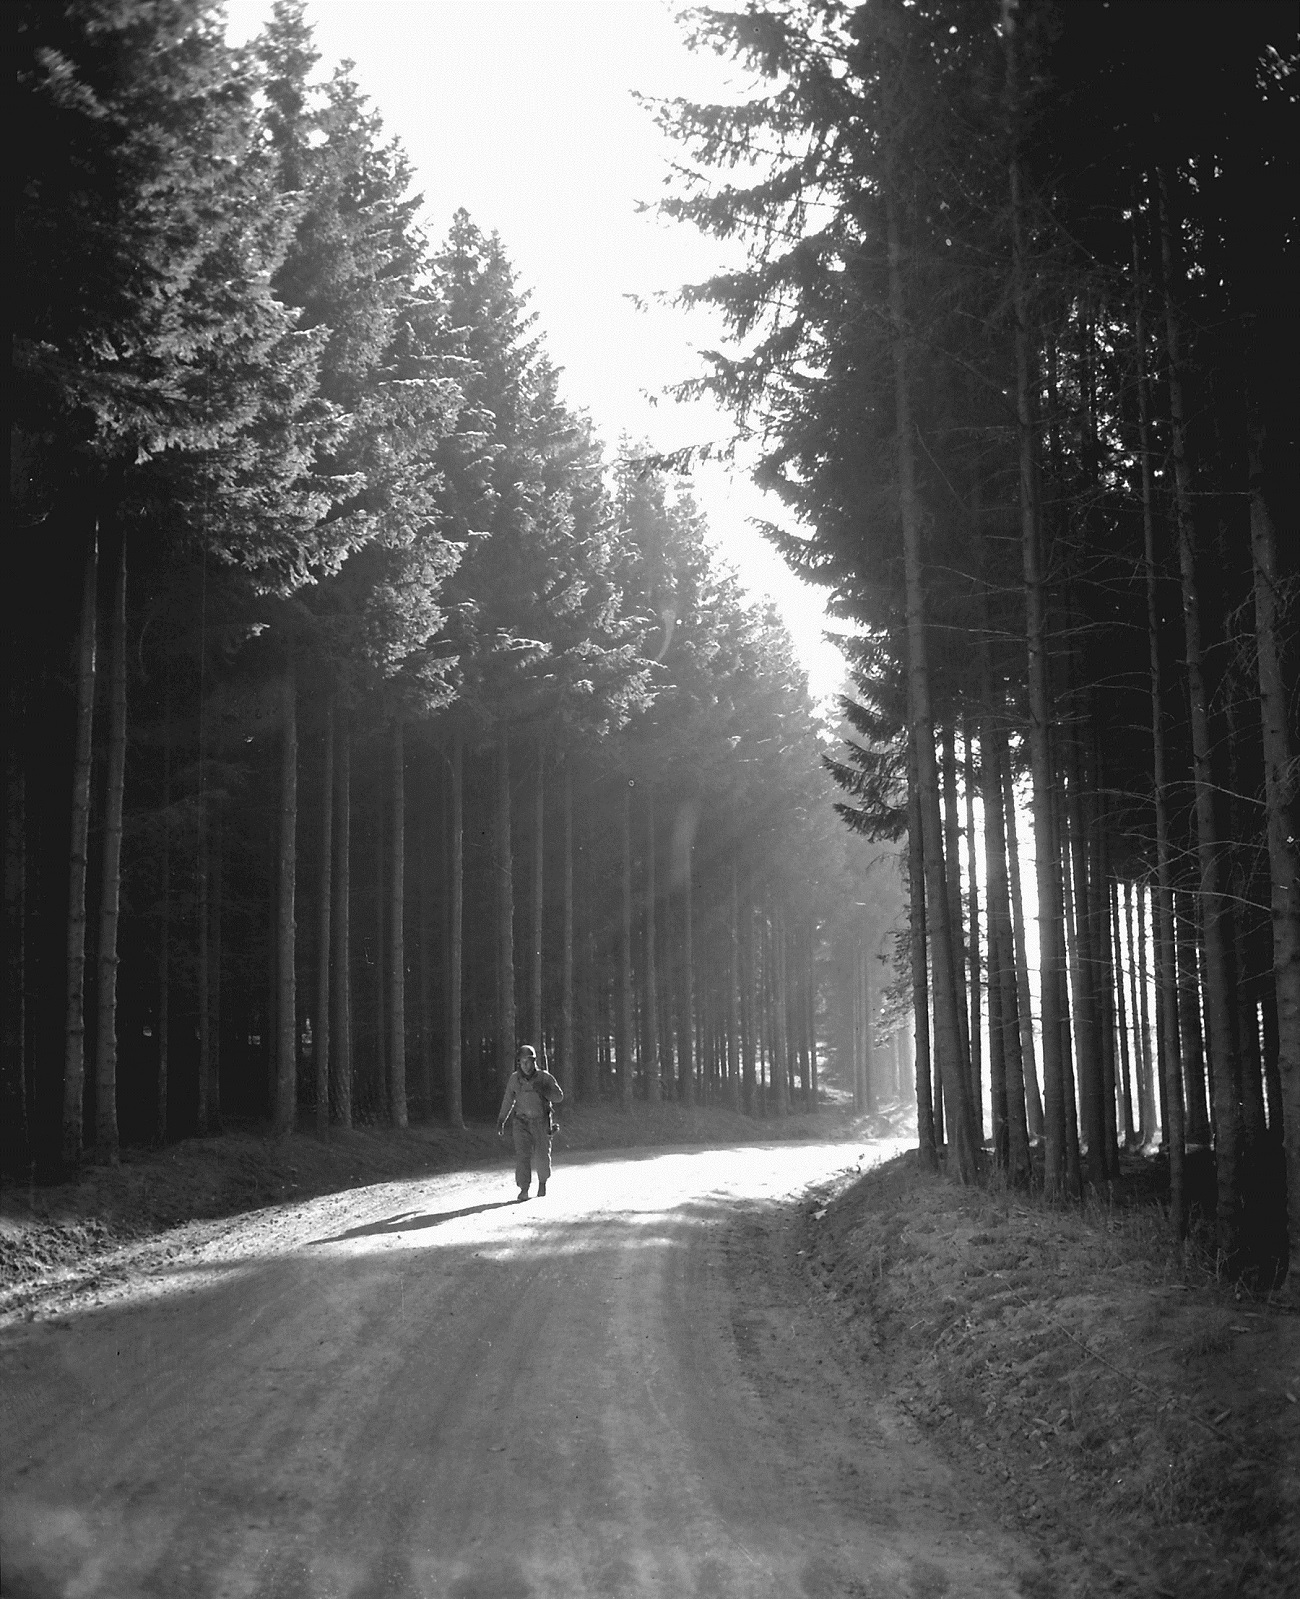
(527, 1057)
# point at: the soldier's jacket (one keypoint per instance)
(529, 1095)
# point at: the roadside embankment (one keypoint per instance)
(1137, 1418)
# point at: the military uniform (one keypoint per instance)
(532, 1095)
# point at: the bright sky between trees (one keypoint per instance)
(522, 111)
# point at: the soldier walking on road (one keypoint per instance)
(530, 1093)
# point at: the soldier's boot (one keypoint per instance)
(541, 1190)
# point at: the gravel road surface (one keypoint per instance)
(425, 1389)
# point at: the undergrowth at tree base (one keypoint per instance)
(1135, 1416)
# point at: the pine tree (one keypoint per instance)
(1015, 319)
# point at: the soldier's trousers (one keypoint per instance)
(532, 1148)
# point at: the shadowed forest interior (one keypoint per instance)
(369, 716)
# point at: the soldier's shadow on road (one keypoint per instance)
(411, 1221)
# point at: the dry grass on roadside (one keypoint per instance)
(1135, 1417)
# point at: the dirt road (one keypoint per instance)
(424, 1389)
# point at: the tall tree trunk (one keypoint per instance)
(591, 988)
(686, 1022)
(1084, 967)
(1125, 1086)
(539, 884)
(952, 876)
(1006, 1056)
(870, 1056)
(813, 1066)
(380, 1083)
(203, 928)
(1240, 866)
(803, 1023)
(1215, 918)
(428, 833)
(1099, 870)
(566, 1062)
(1141, 1013)
(16, 1110)
(341, 1065)
(271, 1031)
(863, 1099)
(1163, 906)
(1166, 977)
(216, 878)
(925, 1130)
(286, 1055)
(1073, 958)
(1254, 1120)
(857, 1024)
(397, 1109)
(954, 1063)
(976, 1042)
(1028, 1049)
(1177, 1128)
(164, 930)
(625, 960)
(321, 1040)
(74, 1023)
(1272, 1066)
(1050, 911)
(1189, 1020)
(505, 908)
(1152, 1063)
(652, 1085)
(998, 1099)
(763, 1007)
(811, 1020)
(1104, 990)
(1282, 800)
(781, 1041)
(868, 1030)
(735, 1097)
(1098, 1082)
(106, 1141)
(1057, 843)
(455, 940)
(748, 1020)
(763, 1004)
(1134, 1067)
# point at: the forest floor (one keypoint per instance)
(1132, 1416)
(57, 1238)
